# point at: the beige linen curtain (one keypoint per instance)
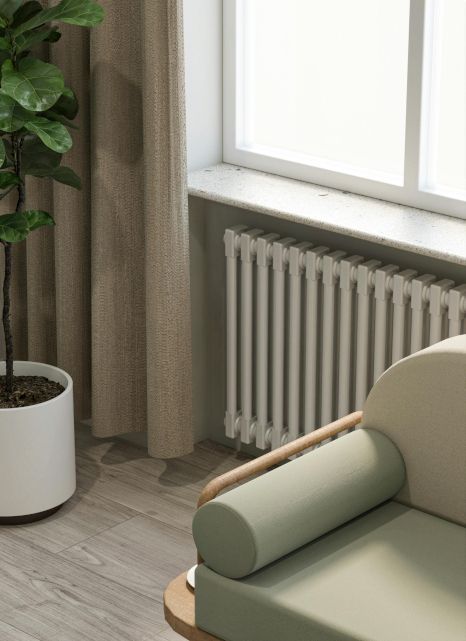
(105, 295)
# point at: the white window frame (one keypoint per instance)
(410, 193)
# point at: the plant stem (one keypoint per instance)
(16, 147)
(7, 322)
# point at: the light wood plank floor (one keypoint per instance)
(97, 569)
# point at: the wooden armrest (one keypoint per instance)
(281, 454)
(178, 597)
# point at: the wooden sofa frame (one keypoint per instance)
(179, 597)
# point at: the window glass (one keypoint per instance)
(445, 99)
(323, 83)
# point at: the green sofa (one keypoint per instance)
(362, 538)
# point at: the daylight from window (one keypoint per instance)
(336, 101)
(366, 96)
(445, 101)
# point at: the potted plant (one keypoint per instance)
(37, 466)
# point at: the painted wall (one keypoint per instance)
(204, 127)
(203, 59)
(209, 222)
(203, 68)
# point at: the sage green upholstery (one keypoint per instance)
(394, 574)
(420, 404)
(261, 521)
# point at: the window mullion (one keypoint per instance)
(414, 95)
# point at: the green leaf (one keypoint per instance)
(25, 12)
(32, 38)
(63, 175)
(4, 44)
(54, 35)
(67, 105)
(15, 227)
(12, 115)
(36, 85)
(65, 109)
(53, 134)
(36, 157)
(7, 162)
(8, 7)
(51, 115)
(84, 13)
(37, 218)
(2, 153)
(4, 55)
(67, 176)
(7, 179)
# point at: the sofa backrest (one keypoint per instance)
(420, 404)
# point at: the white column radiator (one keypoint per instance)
(309, 330)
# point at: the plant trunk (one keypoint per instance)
(7, 322)
(6, 316)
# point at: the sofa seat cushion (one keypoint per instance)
(393, 574)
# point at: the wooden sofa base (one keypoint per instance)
(178, 603)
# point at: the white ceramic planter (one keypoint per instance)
(37, 462)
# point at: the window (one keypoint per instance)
(367, 96)
(444, 149)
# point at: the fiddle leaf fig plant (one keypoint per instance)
(36, 114)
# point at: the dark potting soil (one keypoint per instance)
(29, 390)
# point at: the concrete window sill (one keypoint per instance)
(378, 221)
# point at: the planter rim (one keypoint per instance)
(68, 389)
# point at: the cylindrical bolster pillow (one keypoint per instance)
(261, 521)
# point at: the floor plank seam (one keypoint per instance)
(92, 536)
(15, 627)
(85, 570)
(91, 574)
(110, 580)
(98, 569)
(142, 513)
(113, 582)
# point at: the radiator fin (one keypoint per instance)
(316, 329)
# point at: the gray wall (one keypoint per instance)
(203, 69)
(208, 222)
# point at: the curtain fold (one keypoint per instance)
(105, 295)
(167, 234)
